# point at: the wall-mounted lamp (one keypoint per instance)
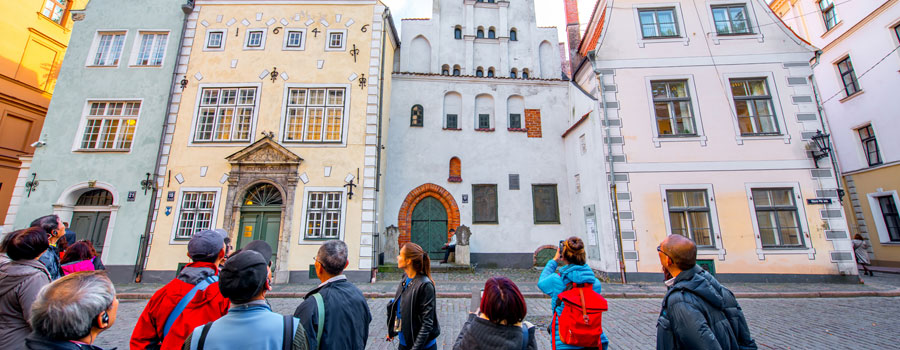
(147, 184)
(274, 74)
(819, 147)
(30, 186)
(184, 82)
(350, 185)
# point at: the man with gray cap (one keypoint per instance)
(250, 323)
(190, 300)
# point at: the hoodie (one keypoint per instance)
(20, 282)
(552, 284)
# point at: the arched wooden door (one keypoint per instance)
(261, 217)
(90, 221)
(429, 226)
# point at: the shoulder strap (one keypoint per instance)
(203, 334)
(320, 304)
(525, 336)
(185, 300)
(287, 341)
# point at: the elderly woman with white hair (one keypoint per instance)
(72, 311)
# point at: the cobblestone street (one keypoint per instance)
(839, 323)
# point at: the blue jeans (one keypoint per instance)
(433, 347)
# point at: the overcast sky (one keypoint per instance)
(549, 12)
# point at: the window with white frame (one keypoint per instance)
(295, 39)
(225, 114)
(672, 107)
(890, 216)
(215, 39)
(336, 40)
(314, 115)
(108, 49)
(690, 216)
(897, 31)
(777, 218)
(753, 105)
(323, 215)
(256, 39)
(55, 10)
(829, 15)
(658, 23)
(109, 125)
(848, 76)
(731, 19)
(869, 144)
(151, 49)
(195, 214)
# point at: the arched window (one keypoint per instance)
(445, 70)
(491, 72)
(525, 73)
(513, 73)
(452, 110)
(513, 35)
(480, 33)
(457, 33)
(95, 198)
(455, 170)
(416, 116)
(479, 72)
(492, 34)
(422, 49)
(456, 70)
(262, 195)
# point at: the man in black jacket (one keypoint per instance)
(697, 311)
(347, 314)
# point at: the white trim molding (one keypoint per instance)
(284, 44)
(328, 40)
(800, 204)
(195, 116)
(82, 124)
(878, 216)
(262, 42)
(679, 21)
(305, 205)
(718, 248)
(177, 211)
(777, 109)
(282, 124)
(224, 32)
(752, 21)
(694, 95)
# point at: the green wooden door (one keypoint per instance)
(263, 225)
(91, 226)
(429, 226)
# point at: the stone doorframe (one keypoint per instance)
(417, 195)
(65, 207)
(265, 161)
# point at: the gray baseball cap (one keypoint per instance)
(206, 244)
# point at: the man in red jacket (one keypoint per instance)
(207, 250)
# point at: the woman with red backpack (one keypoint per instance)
(575, 298)
(81, 256)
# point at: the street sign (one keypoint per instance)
(132, 195)
(818, 201)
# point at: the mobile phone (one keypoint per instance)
(561, 245)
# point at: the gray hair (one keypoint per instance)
(66, 308)
(333, 256)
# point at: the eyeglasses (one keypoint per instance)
(659, 249)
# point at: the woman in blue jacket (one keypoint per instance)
(574, 270)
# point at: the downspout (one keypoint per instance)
(385, 18)
(144, 247)
(612, 168)
(820, 110)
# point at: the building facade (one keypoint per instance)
(856, 75)
(707, 109)
(276, 133)
(35, 36)
(478, 107)
(102, 142)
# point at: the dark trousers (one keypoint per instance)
(447, 250)
(433, 347)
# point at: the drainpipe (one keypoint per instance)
(612, 168)
(385, 18)
(144, 246)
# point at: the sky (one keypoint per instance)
(548, 12)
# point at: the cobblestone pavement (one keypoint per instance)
(836, 323)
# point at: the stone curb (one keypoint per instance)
(637, 295)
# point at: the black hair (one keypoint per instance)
(333, 257)
(27, 244)
(49, 223)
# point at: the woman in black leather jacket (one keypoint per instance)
(412, 313)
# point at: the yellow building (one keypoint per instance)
(35, 36)
(277, 132)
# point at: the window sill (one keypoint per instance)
(762, 252)
(658, 140)
(486, 223)
(517, 129)
(98, 66)
(415, 126)
(335, 49)
(246, 48)
(104, 150)
(485, 129)
(454, 179)
(848, 98)
(890, 243)
(838, 24)
(453, 129)
(62, 27)
(546, 223)
(213, 49)
(145, 66)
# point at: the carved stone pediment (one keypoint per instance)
(264, 152)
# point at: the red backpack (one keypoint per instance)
(581, 320)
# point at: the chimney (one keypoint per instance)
(573, 33)
(564, 59)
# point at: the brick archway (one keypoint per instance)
(414, 197)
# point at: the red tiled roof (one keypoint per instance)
(594, 30)
(472, 76)
(574, 126)
(414, 19)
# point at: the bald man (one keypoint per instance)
(697, 312)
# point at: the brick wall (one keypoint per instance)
(404, 218)
(533, 122)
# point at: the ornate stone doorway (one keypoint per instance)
(268, 167)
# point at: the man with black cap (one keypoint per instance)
(190, 300)
(250, 323)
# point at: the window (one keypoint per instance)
(731, 19)
(513, 182)
(492, 34)
(255, 39)
(455, 170)
(890, 216)
(848, 76)
(457, 33)
(484, 204)
(152, 49)
(583, 143)
(456, 70)
(513, 35)
(672, 106)
(336, 40)
(753, 105)
(525, 73)
(490, 72)
(828, 13)
(323, 215)
(416, 116)
(109, 49)
(479, 72)
(445, 70)
(546, 204)
(689, 216)
(869, 144)
(577, 183)
(452, 121)
(776, 215)
(515, 121)
(484, 121)
(658, 23)
(513, 73)
(225, 114)
(195, 214)
(55, 10)
(480, 33)
(314, 115)
(215, 39)
(110, 125)
(295, 39)
(897, 31)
